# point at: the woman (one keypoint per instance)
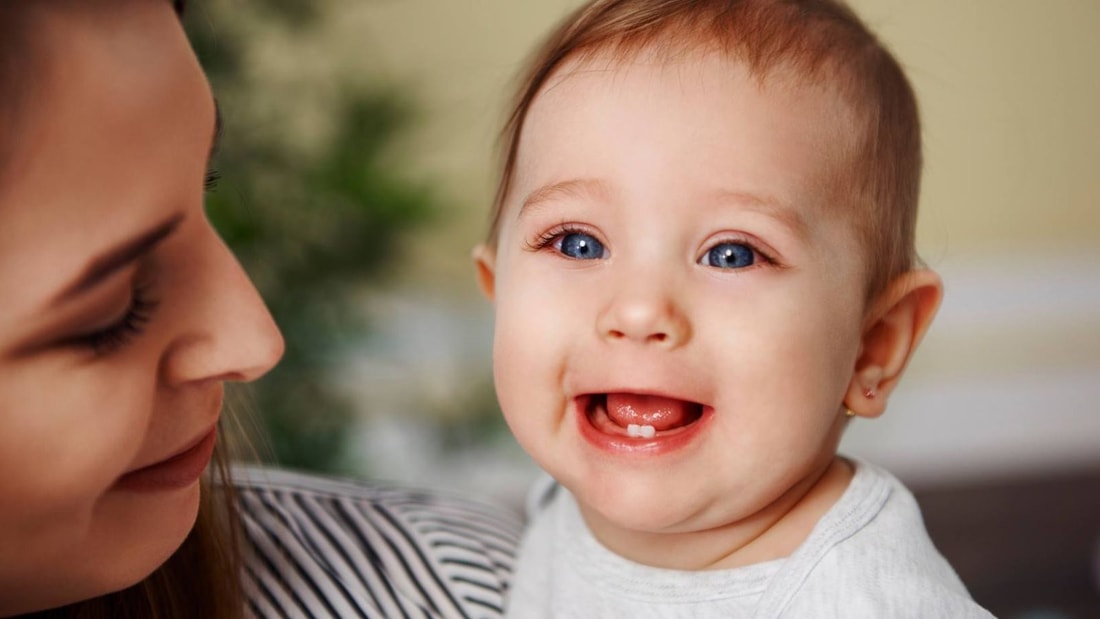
(122, 316)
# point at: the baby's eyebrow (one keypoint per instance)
(573, 188)
(768, 206)
(597, 189)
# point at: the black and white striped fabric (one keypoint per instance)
(334, 548)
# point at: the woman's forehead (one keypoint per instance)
(117, 125)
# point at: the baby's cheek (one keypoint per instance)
(520, 359)
(527, 355)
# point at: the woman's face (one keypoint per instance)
(121, 311)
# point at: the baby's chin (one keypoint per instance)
(632, 507)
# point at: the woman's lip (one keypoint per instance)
(174, 472)
(662, 443)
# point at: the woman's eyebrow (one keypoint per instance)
(118, 257)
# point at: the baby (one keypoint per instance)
(702, 265)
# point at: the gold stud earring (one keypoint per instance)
(848, 413)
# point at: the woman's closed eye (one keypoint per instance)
(131, 324)
(121, 331)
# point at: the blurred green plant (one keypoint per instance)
(312, 220)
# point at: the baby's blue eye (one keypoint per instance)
(731, 256)
(581, 246)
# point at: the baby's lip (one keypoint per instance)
(631, 432)
(639, 415)
(644, 391)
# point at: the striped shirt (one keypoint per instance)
(323, 547)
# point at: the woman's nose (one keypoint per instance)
(646, 312)
(232, 336)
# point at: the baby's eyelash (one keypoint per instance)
(131, 325)
(549, 237)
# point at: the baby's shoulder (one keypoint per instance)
(872, 557)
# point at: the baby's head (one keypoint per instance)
(701, 255)
(821, 46)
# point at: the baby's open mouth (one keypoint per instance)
(639, 416)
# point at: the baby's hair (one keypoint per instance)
(819, 41)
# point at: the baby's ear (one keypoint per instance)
(485, 262)
(895, 325)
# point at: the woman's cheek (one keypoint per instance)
(101, 419)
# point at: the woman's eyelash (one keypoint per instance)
(122, 332)
(210, 180)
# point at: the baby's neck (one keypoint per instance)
(771, 533)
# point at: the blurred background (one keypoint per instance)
(357, 171)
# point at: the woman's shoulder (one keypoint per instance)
(284, 483)
(347, 547)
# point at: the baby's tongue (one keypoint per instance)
(645, 410)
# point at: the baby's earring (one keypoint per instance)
(868, 393)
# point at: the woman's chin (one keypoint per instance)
(139, 532)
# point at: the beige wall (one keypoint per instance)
(1010, 92)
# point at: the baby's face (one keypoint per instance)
(678, 296)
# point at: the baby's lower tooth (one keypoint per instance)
(640, 431)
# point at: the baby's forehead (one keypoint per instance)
(694, 129)
(779, 81)
(705, 93)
